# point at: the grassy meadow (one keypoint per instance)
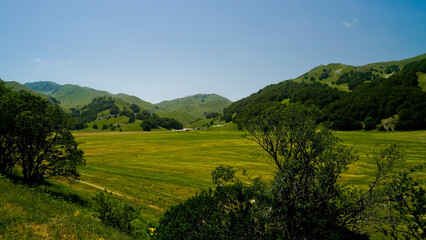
(155, 170)
(158, 169)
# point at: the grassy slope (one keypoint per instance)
(160, 169)
(196, 105)
(422, 80)
(15, 86)
(29, 214)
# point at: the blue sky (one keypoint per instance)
(161, 50)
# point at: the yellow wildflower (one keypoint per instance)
(153, 231)
(76, 213)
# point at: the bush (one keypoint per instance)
(114, 212)
(370, 123)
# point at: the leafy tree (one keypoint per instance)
(95, 126)
(370, 123)
(114, 110)
(135, 108)
(145, 114)
(132, 118)
(36, 136)
(225, 212)
(212, 115)
(45, 147)
(305, 199)
(405, 206)
(9, 110)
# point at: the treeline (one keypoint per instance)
(152, 120)
(89, 113)
(375, 100)
(35, 138)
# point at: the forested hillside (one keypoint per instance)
(373, 98)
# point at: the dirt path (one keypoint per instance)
(118, 194)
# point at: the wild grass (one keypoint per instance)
(26, 213)
(155, 170)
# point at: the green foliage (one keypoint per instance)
(212, 115)
(114, 212)
(89, 113)
(379, 98)
(135, 108)
(370, 123)
(305, 199)
(114, 110)
(152, 120)
(384, 98)
(325, 74)
(227, 212)
(36, 137)
(406, 206)
(354, 78)
(27, 213)
(391, 69)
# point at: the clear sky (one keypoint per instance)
(161, 50)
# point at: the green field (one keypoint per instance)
(158, 169)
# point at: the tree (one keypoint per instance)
(305, 199)
(405, 206)
(369, 123)
(44, 145)
(8, 109)
(225, 212)
(135, 108)
(114, 110)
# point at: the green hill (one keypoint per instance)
(196, 105)
(380, 91)
(330, 73)
(15, 86)
(186, 110)
(73, 95)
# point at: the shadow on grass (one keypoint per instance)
(52, 189)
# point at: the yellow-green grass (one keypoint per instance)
(29, 214)
(365, 142)
(159, 169)
(422, 80)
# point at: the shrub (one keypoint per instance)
(114, 211)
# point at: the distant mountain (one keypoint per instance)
(197, 105)
(186, 110)
(73, 95)
(15, 86)
(348, 94)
